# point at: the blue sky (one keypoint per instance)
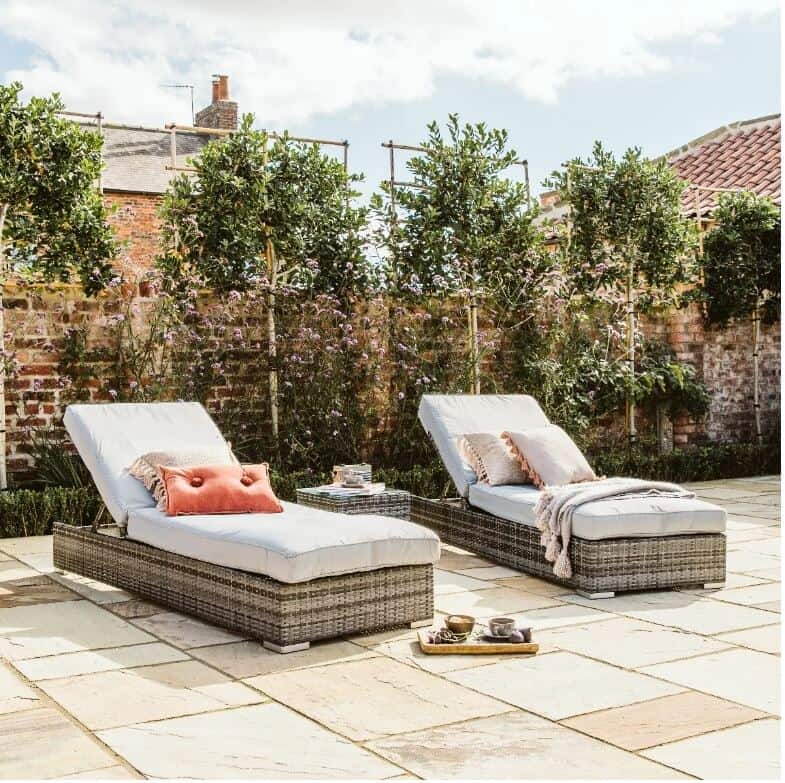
(557, 77)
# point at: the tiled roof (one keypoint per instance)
(135, 158)
(743, 155)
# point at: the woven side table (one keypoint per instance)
(390, 503)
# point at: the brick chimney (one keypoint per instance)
(222, 112)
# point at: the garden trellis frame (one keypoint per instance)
(698, 189)
(474, 334)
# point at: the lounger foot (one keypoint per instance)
(713, 585)
(287, 648)
(586, 594)
(420, 623)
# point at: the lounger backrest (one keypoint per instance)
(110, 437)
(447, 417)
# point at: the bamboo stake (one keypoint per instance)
(272, 348)
(474, 345)
(755, 371)
(630, 402)
(3, 468)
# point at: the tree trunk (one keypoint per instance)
(474, 346)
(756, 371)
(3, 470)
(630, 401)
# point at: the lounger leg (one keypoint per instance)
(287, 648)
(713, 585)
(595, 595)
(421, 623)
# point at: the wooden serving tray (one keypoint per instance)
(476, 647)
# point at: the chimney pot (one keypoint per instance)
(222, 112)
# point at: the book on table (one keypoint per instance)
(339, 491)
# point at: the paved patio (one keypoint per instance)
(97, 684)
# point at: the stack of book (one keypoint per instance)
(339, 491)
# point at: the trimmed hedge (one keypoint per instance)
(32, 512)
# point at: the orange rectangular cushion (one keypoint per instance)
(219, 489)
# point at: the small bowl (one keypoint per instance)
(501, 627)
(459, 623)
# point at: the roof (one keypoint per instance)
(740, 156)
(136, 158)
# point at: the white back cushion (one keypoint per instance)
(448, 417)
(111, 437)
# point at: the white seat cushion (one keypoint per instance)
(297, 545)
(642, 517)
(111, 437)
(448, 417)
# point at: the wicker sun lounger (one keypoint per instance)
(287, 579)
(634, 544)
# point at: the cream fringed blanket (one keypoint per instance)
(555, 509)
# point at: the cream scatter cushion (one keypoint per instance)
(549, 455)
(145, 468)
(492, 459)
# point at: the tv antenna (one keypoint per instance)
(185, 87)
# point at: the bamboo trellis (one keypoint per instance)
(474, 334)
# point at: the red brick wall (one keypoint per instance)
(136, 224)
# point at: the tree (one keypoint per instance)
(626, 242)
(52, 217)
(254, 214)
(464, 228)
(741, 269)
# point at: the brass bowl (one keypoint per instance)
(459, 623)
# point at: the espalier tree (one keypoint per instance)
(741, 270)
(464, 229)
(258, 212)
(625, 241)
(52, 218)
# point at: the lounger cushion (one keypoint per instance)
(615, 518)
(297, 545)
(448, 417)
(111, 437)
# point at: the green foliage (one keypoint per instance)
(55, 226)
(741, 259)
(707, 463)
(27, 512)
(56, 464)
(624, 212)
(248, 189)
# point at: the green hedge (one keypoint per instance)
(32, 512)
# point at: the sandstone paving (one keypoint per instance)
(562, 684)
(514, 746)
(266, 741)
(30, 590)
(26, 545)
(184, 631)
(15, 694)
(115, 772)
(752, 595)
(771, 545)
(658, 721)
(561, 615)
(366, 699)
(492, 602)
(68, 626)
(447, 582)
(249, 659)
(118, 698)
(630, 643)
(683, 610)
(491, 572)
(52, 667)
(747, 752)
(745, 676)
(98, 592)
(13, 570)
(766, 639)
(136, 607)
(533, 584)
(41, 743)
(744, 561)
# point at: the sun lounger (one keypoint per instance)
(288, 579)
(618, 544)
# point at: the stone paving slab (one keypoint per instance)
(369, 698)
(512, 747)
(748, 752)
(766, 639)
(744, 676)
(183, 631)
(31, 590)
(658, 721)
(492, 602)
(118, 698)
(562, 684)
(15, 695)
(262, 742)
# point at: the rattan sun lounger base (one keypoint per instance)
(600, 568)
(286, 617)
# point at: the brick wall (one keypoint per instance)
(136, 225)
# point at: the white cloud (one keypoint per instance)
(294, 59)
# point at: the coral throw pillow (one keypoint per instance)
(219, 489)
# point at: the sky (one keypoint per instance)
(556, 75)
